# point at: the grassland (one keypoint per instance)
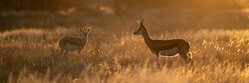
(31, 56)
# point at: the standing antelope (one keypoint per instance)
(74, 43)
(164, 47)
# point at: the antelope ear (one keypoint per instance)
(80, 29)
(88, 29)
(138, 22)
(141, 21)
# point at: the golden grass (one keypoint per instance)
(31, 56)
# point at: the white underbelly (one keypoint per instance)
(169, 52)
(71, 47)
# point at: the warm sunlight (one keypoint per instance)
(124, 41)
(246, 11)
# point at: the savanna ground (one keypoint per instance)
(31, 55)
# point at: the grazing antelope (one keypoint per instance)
(164, 47)
(74, 43)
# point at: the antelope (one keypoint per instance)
(74, 43)
(164, 47)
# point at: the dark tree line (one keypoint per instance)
(39, 5)
(56, 5)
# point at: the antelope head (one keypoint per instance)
(84, 31)
(141, 28)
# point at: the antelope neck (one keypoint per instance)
(146, 37)
(84, 38)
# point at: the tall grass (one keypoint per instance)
(31, 56)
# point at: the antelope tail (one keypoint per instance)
(190, 55)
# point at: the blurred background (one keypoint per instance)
(217, 31)
(121, 15)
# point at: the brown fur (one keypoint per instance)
(74, 43)
(158, 45)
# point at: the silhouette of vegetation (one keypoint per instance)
(39, 5)
(57, 5)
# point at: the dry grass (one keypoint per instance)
(31, 56)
